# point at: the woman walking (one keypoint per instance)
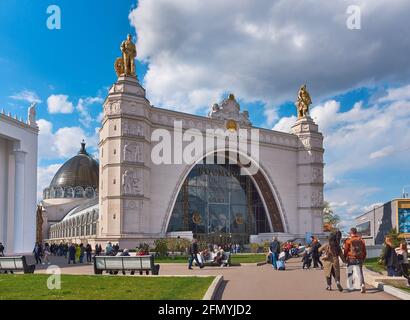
(390, 258)
(330, 258)
(402, 257)
(47, 253)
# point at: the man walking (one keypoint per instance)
(274, 249)
(355, 254)
(38, 252)
(193, 254)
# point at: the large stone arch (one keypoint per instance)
(262, 181)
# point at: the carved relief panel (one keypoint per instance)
(132, 182)
(133, 152)
(133, 128)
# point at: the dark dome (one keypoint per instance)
(81, 170)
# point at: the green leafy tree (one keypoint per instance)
(330, 219)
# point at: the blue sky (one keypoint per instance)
(192, 53)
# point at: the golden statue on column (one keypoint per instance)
(303, 102)
(126, 64)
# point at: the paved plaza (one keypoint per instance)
(252, 282)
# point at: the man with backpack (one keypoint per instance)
(355, 255)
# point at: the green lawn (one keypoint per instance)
(235, 259)
(372, 264)
(248, 258)
(73, 287)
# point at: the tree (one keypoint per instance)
(330, 219)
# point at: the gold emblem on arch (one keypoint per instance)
(231, 125)
(196, 217)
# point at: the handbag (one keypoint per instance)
(325, 255)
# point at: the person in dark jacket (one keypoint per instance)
(88, 251)
(82, 251)
(38, 252)
(71, 253)
(1, 250)
(274, 249)
(193, 254)
(315, 245)
(390, 258)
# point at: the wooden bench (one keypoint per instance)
(11, 264)
(133, 264)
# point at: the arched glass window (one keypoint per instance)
(79, 192)
(69, 192)
(219, 205)
(89, 192)
(58, 192)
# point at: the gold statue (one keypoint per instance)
(126, 64)
(303, 102)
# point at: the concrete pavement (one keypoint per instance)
(251, 282)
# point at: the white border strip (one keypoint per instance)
(213, 288)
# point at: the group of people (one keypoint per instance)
(73, 252)
(396, 259)
(214, 253)
(326, 256)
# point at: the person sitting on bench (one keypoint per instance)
(220, 255)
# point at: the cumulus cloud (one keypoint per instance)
(58, 103)
(198, 50)
(64, 142)
(402, 93)
(45, 174)
(83, 106)
(384, 152)
(26, 95)
(285, 124)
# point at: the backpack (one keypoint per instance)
(356, 249)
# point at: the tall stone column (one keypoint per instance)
(125, 163)
(309, 175)
(19, 200)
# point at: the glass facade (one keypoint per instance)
(216, 202)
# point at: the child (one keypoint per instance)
(307, 258)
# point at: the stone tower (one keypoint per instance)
(309, 174)
(125, 163)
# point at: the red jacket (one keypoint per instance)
(355, 251)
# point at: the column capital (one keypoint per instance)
(20, 155)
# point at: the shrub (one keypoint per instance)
(161, 248)
(254, 247)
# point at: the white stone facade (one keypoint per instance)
(18, 182)
(137, 196)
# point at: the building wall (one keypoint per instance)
(382, 219)
(19, 144)
(291, 163)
